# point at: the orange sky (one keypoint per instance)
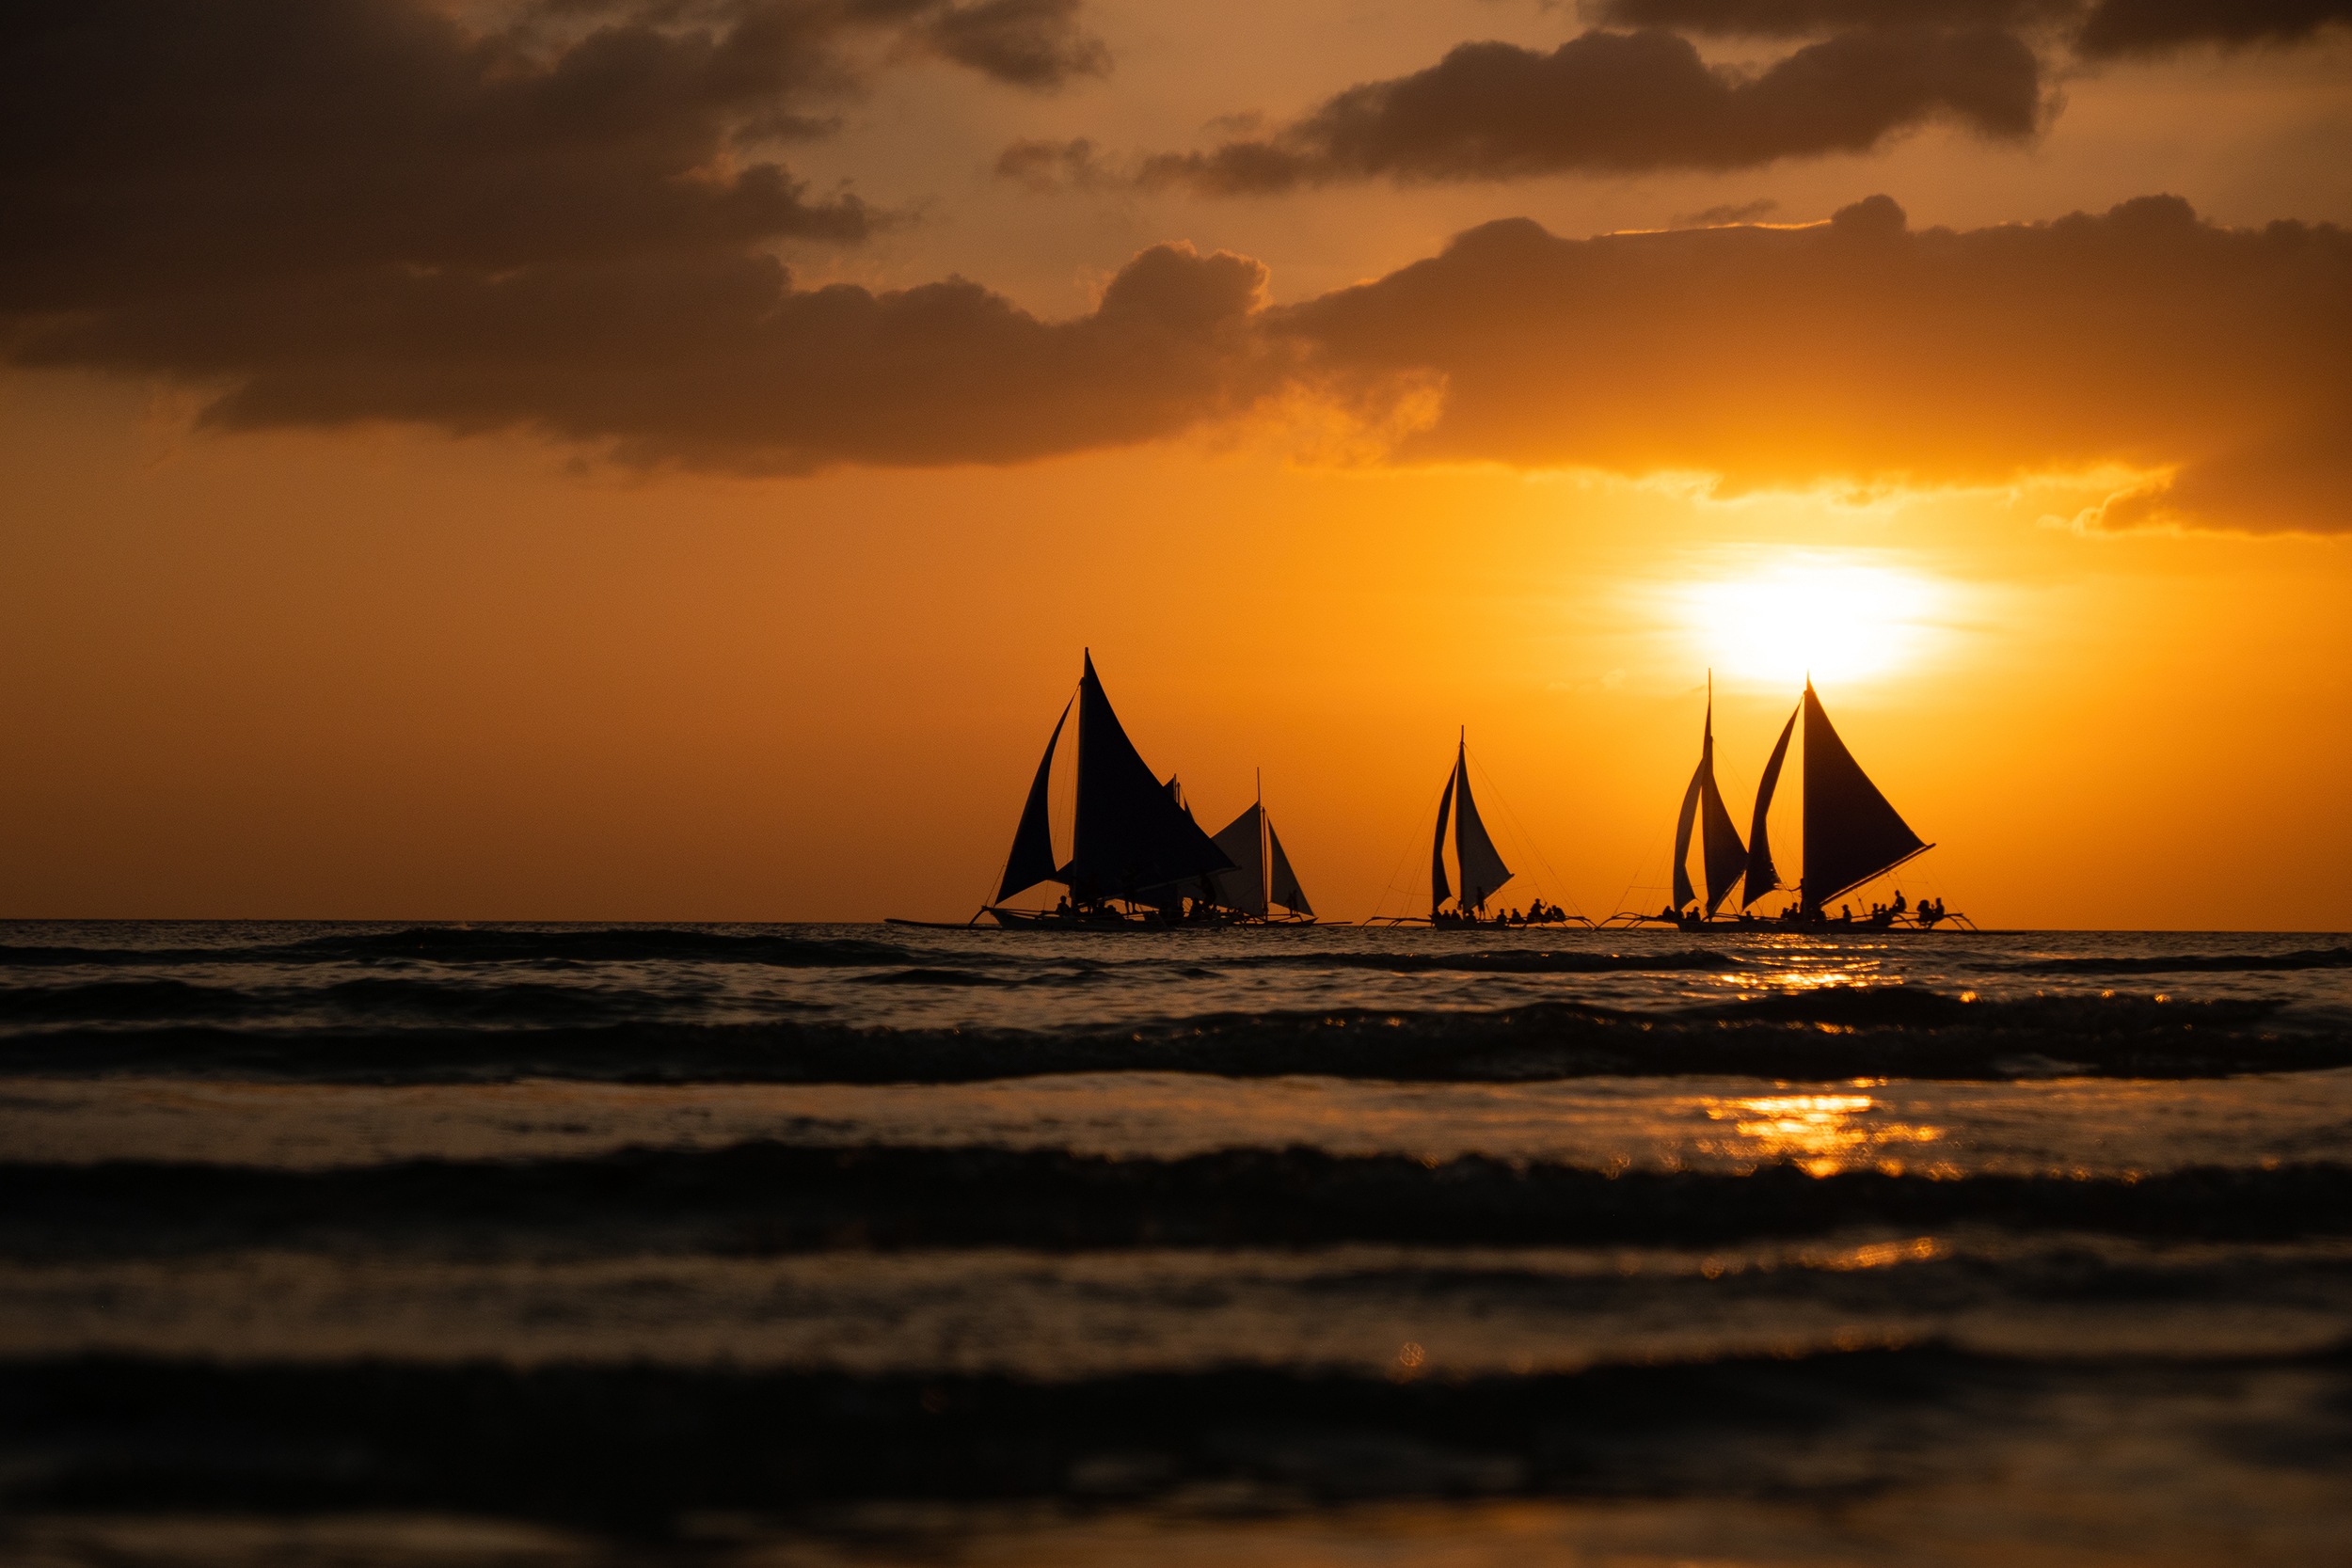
(459, 519)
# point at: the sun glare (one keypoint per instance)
(1833, 618)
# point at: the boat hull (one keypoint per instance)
(1049, 920)
(1867, 926)
(1023, 920)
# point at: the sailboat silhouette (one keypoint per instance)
(1137, 859)
(1852, 833)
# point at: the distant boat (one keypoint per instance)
(1723, 857)
(1133, 843)
(1852, 835)
(1851, 832)
(1262, 879)
(1476, 861)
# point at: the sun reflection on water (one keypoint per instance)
(1825, 1134)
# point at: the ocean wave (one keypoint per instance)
(2180, 963)
(1508, 960)
(761, 1197)
(132, 1000)
(640, 1450)
(383, 999)
(1024, 964)
(1823, 1033)
(930, 977)
(447, 945)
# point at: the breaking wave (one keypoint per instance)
(2182, 963)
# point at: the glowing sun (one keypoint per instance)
(1778, 619)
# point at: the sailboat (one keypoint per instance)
(1262, 878)
(1851, 832)
(1135, 843)
(1476, 861)
(1851, 835)
(1722, 858)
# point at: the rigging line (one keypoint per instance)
(1265, 841)
(1520, 829)
(1641, 869)
(1402, 860)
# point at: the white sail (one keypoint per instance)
(1243, 886)
(1285, 891)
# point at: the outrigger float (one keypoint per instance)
(1852, 836)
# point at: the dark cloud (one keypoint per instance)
(712, 362)
(1623, 102)
(166, 147)
(1802, 18)
(2098, 29)
(1046, 167)
(2119, 27)
(1034, 43)
(1859, 349)
(330, 210)
(1714, 217)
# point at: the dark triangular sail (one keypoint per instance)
(1850, 832)
(1726, 857)
(1032, 858)
(1683, 819)
(1721, 853)
(1244, 887)
(1762, 876)
(1439, 890)
(1283, 882)
(1131, 833)
(1474, 855)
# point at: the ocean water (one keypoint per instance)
(353, 1244)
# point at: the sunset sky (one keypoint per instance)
(664, 461)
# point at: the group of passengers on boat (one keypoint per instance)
(1924, 915)
(1538, 913)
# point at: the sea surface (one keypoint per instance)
(859, 1244)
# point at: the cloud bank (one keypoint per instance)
(2096, 29)
(709, 362)
(1859, 349)
(159, 148)
(323, 213)
(1609, 102)
(1629, 102)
